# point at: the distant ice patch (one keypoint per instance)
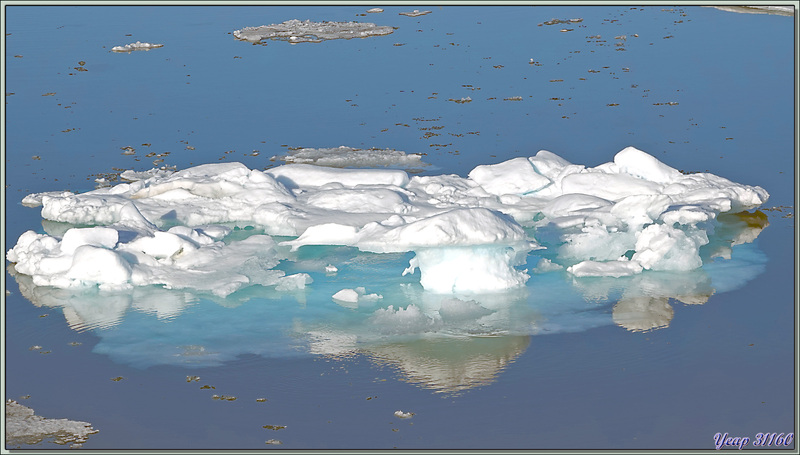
(137, 46)
(23, 426)
(781, 10)
(344, 156)
(297, 31)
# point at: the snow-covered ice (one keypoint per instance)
(210, 228)
(297, 31)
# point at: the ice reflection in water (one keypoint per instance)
(451, 365)
(444, 343)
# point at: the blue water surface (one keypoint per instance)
(554, 366)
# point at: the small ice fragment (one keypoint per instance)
(274, 441)
(403, 415)
(346, 295)
(137, 46)
(375, 10)
(331, 268)
(415, 13)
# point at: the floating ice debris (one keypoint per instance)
(137, 46)
(343, 156)
(375, 10)
(415, 13)
(403, 415)
(787, 10)
(468, 234)
(192, 378)
(331, 268)
(513, 98)
(24, 427)
(462, 100)
(359, 294)
(274, 427)
(274, 441)
(297, 31)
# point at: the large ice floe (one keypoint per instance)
(212, 228)
(297, 31)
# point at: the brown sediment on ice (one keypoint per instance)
(23, 426)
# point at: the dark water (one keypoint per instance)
(700, 89)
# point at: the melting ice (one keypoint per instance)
(468, 234)
(519, 247)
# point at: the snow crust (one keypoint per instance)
(209, 228)
(297, 31)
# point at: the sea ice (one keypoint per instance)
(297, 31)
(137, 46)
(415, 13)
(344, 156)
(23, 426)
(351, 297)
(210, 227)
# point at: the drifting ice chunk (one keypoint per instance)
(349, 157)
(137, 46)
(24, 427)
(415, 13)
(351, 297)
(297, 31)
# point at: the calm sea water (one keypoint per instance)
(699, 88)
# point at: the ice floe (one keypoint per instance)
(137, 46)
(23, 426)
(781, 10)
(415, 13)
(210, 228)
(297, 31)
(344, 156)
